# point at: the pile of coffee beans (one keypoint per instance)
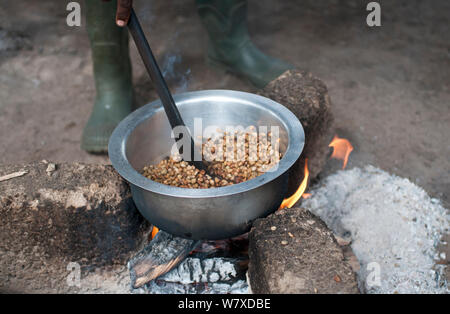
(230, 159)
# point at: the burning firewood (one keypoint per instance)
(162, 254)
(204, 275)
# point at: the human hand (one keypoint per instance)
(123, 12)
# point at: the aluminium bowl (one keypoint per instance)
(144, 137)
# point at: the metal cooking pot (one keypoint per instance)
(144, 137)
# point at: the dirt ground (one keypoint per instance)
(389, 85)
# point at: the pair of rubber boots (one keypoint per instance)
(229, 47)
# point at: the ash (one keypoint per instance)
(196, 275)
(214, 267)
(393, 224)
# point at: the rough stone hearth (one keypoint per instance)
(61, 213)
(307, 97)
(57, 214)
(292, 251)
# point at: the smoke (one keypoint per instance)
(175, 72)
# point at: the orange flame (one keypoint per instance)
(289, 202)
(155, 230)
(341, 149)
(306, 195)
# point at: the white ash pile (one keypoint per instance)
(391, 222)
(213, 267)
(201, 276)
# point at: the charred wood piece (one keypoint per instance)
(161, 255)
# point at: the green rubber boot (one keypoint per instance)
(230, 46)
(112, 73)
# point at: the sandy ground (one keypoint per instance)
(389, 85)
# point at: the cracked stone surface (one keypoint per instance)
(293, 251)
(80, 213)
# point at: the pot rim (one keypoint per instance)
(119, 138)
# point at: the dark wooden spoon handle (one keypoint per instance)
(162, 89)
